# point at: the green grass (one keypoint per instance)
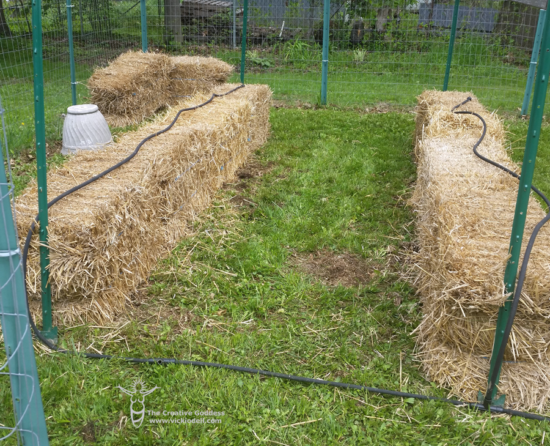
(17, 99)
(517, 131)
(333, 181)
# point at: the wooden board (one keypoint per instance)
(541, 4)
(203, 8)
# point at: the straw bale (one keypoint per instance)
(465, 209)
(136, 85)
(195, 74)
(526, 384)
(133, 87)
(529, 339)
(106, 238)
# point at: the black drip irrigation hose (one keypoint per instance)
(523, 271)
(165, 361)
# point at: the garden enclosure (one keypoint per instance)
(386, 52)
(380, 50)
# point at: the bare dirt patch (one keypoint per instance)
(334, 268)
(248, 173)
(240, 201)
(253, 169)
(88, 432)
(246, 181)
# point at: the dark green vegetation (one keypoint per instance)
(324, 202)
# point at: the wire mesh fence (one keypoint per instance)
(390, 51)
(380, 50)
(27, 425)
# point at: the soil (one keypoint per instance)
(334, 268)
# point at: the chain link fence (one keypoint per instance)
(385, 51)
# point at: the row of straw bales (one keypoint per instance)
(135, 85)
(464, 208)
(106, 238)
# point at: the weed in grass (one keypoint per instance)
(359, 55)
(299, 52)
(254, 57)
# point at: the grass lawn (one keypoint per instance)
(295, 269)
(517, 131)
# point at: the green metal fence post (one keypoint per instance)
(144, 44)
(243, 43)
(326, 32)
(533, 64)
(451, 46)
(27, 399)
(49, 331)
(71, 49)
(527, 170)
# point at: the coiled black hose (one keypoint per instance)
(163, 361)
(523, 271)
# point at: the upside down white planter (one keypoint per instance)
(84, 128)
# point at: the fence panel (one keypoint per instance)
(26, 424)
(380, 50)
(493, 51)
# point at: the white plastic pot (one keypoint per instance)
(84, 128)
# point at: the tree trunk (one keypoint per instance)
(4, 28)
(172, 20)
